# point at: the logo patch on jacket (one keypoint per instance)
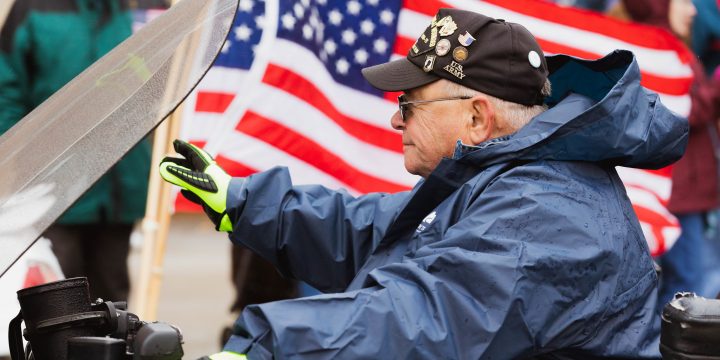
(426, 221)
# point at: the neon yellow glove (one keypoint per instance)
(225, 355)
(203, 181)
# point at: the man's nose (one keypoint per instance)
(396, 121)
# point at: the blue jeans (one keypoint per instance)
(711, 257)
(693, 263)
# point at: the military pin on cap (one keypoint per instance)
(449, 28)
(534, 59)
(441, 22)
(466, 39)
(442, 47)
(460, 54)
(429, 63)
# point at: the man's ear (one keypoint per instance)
(483, 119)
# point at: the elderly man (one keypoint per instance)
(519, 241)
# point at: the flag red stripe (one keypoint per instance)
(427, 7)
(298, 86)
(184, 205)
(652, 217)
(402, 45)
(666, 171)
(213, 102)
(392, 96)
(659, 84)
(199, 143)
(659, 241)
(313, 154)
(657, 222)
(555, 48)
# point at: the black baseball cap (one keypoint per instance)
(489, 55)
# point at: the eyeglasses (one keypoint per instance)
(403, 103)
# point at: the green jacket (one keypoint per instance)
(43, 45)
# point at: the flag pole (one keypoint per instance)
(5, 7)
(155, 225)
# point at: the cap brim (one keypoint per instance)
(397, 75)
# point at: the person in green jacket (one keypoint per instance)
(43, 45)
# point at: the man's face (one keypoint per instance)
(430, 130)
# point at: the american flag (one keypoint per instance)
(287, 90)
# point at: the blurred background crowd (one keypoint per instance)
(89, 28)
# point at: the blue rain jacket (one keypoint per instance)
(523, 247)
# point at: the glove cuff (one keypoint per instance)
(224, 224)
(226, 355)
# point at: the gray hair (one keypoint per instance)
(515, 115)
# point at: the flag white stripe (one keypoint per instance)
(650, 238)
(647, 200)
(670, 235)
(356, 104)
(313, 124)
(224, 80)
(200, 126)
(658, 184)
(679, 104)
(188, 127)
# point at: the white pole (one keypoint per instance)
(5, 6)
(156, 224)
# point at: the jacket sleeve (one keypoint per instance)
(519, 274)
(311, 233)
(14, 72)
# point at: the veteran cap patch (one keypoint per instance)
(489, 55)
